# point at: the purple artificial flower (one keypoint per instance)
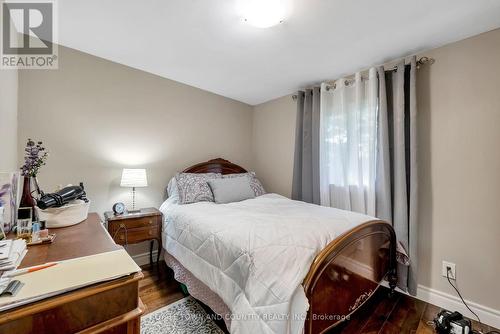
(34, 158)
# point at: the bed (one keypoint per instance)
(274, 265)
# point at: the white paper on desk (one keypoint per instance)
(70, 275)
(17, 252)
(5, 249)
(4, 282)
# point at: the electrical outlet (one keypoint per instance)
(453, 273)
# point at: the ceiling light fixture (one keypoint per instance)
(262, 13)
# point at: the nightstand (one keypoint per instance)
(132, 228)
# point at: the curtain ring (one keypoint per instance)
(330, 87)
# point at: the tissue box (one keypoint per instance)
(70, 214)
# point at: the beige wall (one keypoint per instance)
(96, 117)
(273, 143)
(459, 161)
(459, 122)
(8, 120)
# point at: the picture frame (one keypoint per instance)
(24, 222)
(9, 195)
(3, 235)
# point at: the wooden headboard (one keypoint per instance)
(218, 165)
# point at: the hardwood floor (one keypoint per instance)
(158, 288)
(381, 315)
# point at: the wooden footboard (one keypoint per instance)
(347, 272)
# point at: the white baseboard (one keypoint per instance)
(488, 315)
(143, 258)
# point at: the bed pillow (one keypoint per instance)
(234, 189)
(255, 184)
(172, 190)
(193, 187)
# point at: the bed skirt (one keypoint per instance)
(198, 289)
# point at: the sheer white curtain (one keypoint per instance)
(348, 143)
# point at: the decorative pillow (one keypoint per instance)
(233, 189)
(194, 188)
(255, 184)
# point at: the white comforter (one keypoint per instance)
(255, 254)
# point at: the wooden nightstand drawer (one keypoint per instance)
(138, 222)
(136, 234)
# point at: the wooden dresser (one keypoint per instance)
(109, 307)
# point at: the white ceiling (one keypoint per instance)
(206, 44)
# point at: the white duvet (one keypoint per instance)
(255, 254)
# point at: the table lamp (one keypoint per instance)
(134, 178)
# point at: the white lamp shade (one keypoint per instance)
(134, 177)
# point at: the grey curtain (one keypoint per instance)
(396, 180)
(305, 186)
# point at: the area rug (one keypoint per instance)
(185, 316)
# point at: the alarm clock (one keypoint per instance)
(118, 208)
